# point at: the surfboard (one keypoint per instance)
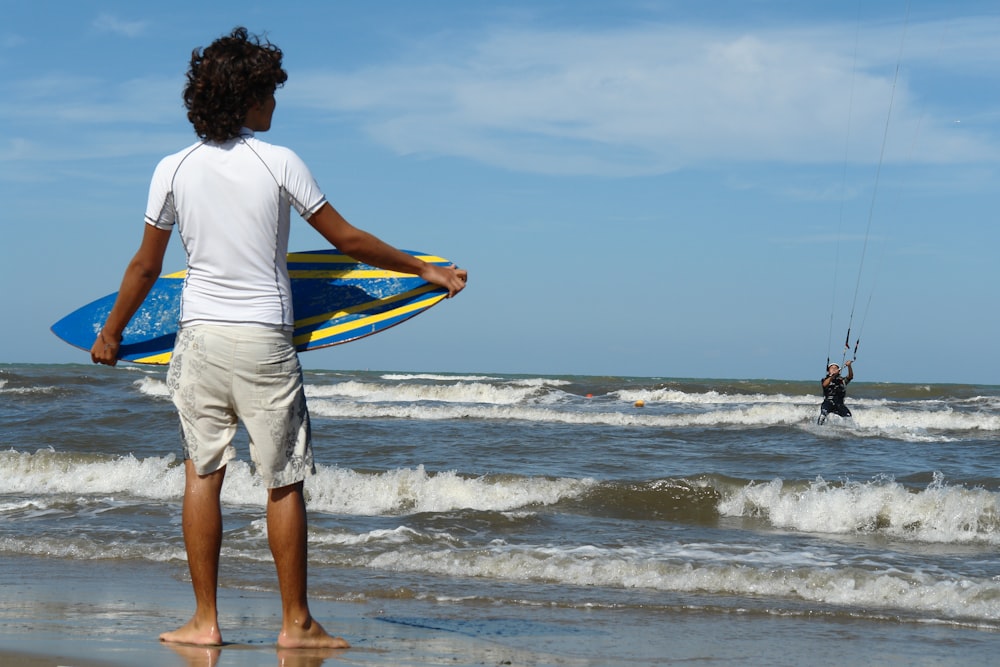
(336, 299)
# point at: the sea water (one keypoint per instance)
(485, 495)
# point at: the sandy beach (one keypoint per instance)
(75, 614)
(62, 613)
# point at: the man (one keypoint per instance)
(835, 391)
(230, 196)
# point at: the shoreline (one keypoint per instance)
(65, 613)
(69, 613)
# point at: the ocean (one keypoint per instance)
(544, 507)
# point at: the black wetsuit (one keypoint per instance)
(833, 399)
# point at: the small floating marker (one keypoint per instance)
(590, 395)
(640, 403)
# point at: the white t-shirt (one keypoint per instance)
(231, 204)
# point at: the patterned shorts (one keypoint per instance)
(219, 375)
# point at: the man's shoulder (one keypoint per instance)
(278, 157)
(179, 156)
(168, 165)
(256, 142)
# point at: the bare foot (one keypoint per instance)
(309, 635)
(195, 634)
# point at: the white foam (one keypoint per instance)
(440, 397)
(43, 389)
(84, 548)
(437, 377)
(749, 416)
(457, 392)
(151, 386)
(47, 472)
(19, 505)
(937, 514)
(679, 397)
(670, 567)
(383, 538)
(413, 490)
(334, 490)
(900, 425)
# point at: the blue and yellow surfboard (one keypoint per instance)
(336, 299)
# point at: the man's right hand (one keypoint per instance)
(451, 277)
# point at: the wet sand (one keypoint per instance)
(106, 613)
(64, 613)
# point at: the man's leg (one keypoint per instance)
(202, 524)
(286, 534)
(824, 409)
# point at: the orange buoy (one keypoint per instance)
(640, 403)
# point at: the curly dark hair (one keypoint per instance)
(227, 78)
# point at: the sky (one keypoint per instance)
(653, 188)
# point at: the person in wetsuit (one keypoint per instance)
(835, 391)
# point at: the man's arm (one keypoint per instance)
(366, 247)
(140, 274)
(850, 371)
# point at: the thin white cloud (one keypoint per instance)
(62, 118)
(11, 40)
(657, 98)
(86, 100)
(118, 26)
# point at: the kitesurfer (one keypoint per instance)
(835, 391)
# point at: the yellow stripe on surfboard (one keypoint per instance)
(327, 332)
(161, 359)
(346, 274)
(321, 258)
(332, 315)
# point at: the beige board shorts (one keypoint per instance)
(220, 375)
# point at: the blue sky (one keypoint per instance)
(649, 188)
